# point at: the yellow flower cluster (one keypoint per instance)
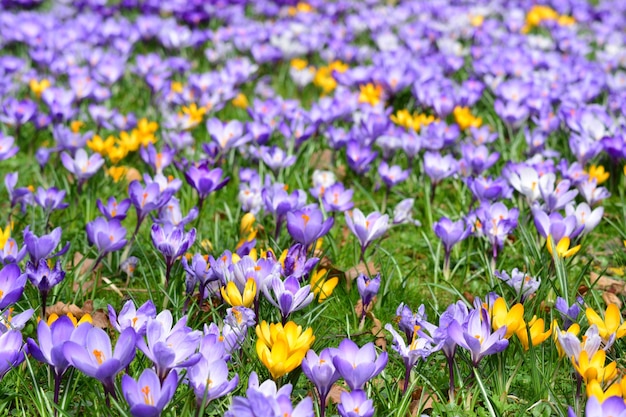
(540, 13)
(117, 149)
(5, 235)
(371, 94)
(598, 173)
(282, 348)
(415, 121)
(301, 7)
(38, 86)
(529, 333)
(465, 119)
(324, 76)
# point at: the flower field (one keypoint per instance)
(346, 208)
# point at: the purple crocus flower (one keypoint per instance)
(42, 247)
(358, 365)
(50, 199)
(209, 380)
(569, 314)
(555, 196)
(148, 396)
(322, 373)
(359, 157)
(288, 295)
(592, 193)
(96, 358)
(157, 160)
(12, 283)
(355, 404)
(279, 202)
(11, 351)
(610, 407)
(495, 222)
(130, 316)
(205, 181)
(450, 234)
(11, 252)
(44, 278)
(307, 224)
(147, 199)
(488, 189)
(276, 158)
(82, 166)
(476, 336)
(438, 167)
(21, 195)
(168, 346)
(7, 148)
(172, 242)
(113, 209)
(555, 225)
(522, 283)
(267, 400)
(226, 135)
(107, 235)
(392, 175)
(368, 288)
(296, 263)
(199, 272)
(367, 229)
(476, 159)
(456, 312)
(585, 217)
(337, 198)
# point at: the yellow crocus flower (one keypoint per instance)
(232, 295)
(535, 328)
(598, 173)
(282, 348)
(98, 145)
(594, 389)
(241, 101)
(38, 87)
(247, 221)
(371, 94)
(612, 323)
(594, 368)
(513, 319)
(117, 173)
(465, 119)
(562, 248)
(298, 63)
(5, 235)
(323, 288)
(86, 318)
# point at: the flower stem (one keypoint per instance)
(451, 374)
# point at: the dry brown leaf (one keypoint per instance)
(354, 271)
(86, 265)
(334, 395)
(377, 331)
(322, 159)
(358, 308)
(605, 283)
(610, 298)
(98, 317)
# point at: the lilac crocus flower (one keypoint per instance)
(11, 252)
(476, 159)
(307, 225)
(106, 235)
(495, 222)
(358, 365)
(355, 404)
(168, 346)
(276, 158)
(288, 295)
(592, 193)
(209, 380)
(44, 278)
(148, 396)
(42, 247)
(7, 148)
(611, 407)
(267, 400)
(226, 135)
(555, 196)
(337, 198)
(438, 167)
(368, 288)
(130, 316)
(392, 175)
(50, 199)
(555, 225)
(113, 209)
(12, 283)
(296, 263)
(367, 229)
(157, 160)
(522, 283)
(476, 336)
(585, 217)
(450, 234)
(488, 189)
(172, 242)
(322, 373)
(205, 181)
(569, 314)
(279, 202)
(11, 351)
(96, 358)
(147, 199)
(525, 180)
(359, 157)
(21, 195)
(82, 166)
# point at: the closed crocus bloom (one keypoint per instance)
(172, 242)
(612, 323)
(321, 372)
(307, 224)
(11, 351)
(98, 360)
(358, 365)
(512, 319)
(282, 348)
(593, 367)
(533, 332)
(209, 380)
(450, 234)
(558, 334)
(234, 297)
(355, 404)
(392, 175)
(147, 396)
(12, 283)
(368, 288)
